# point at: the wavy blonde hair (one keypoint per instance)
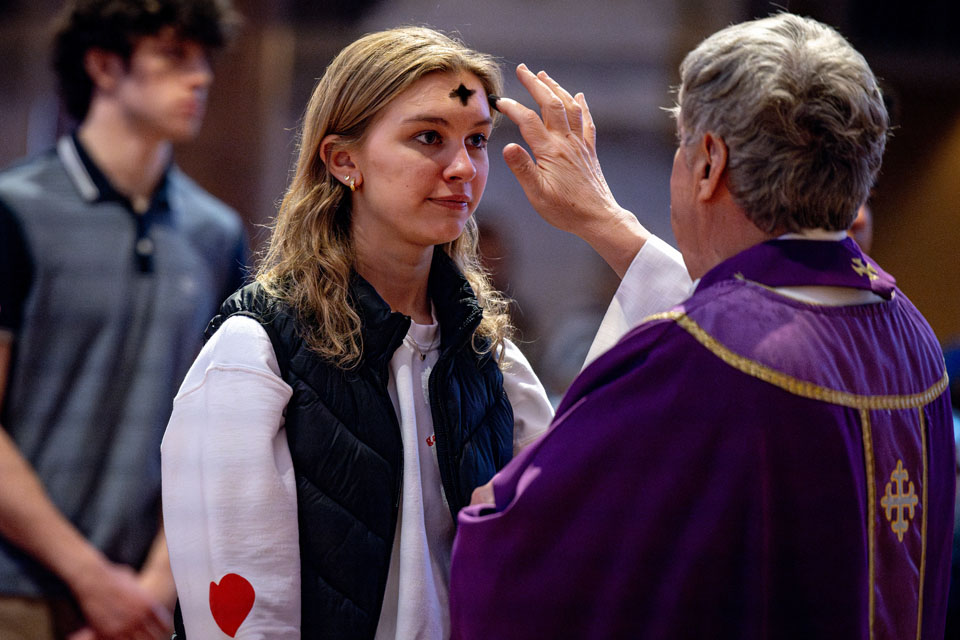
(310, 257)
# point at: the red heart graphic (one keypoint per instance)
(230, 602)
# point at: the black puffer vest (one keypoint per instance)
(344, 438)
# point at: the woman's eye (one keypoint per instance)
(478, 140)
(428, 137)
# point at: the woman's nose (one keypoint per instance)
(461, 166)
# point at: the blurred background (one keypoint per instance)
(624, 56)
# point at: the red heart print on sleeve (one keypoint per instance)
(231, 602)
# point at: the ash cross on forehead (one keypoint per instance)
(463, 93)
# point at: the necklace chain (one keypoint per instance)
(421, 349)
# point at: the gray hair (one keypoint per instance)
(800, 112)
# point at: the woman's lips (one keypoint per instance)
(457, 203)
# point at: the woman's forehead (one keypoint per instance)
(445, 88)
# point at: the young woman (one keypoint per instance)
(350, 400)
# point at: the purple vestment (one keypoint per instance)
(743, 466)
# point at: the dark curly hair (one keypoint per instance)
(116, 25)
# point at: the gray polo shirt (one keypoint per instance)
(110, 313)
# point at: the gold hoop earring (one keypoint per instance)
(353, 184)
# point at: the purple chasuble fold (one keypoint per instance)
(745, 465)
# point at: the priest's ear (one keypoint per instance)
(711, 163)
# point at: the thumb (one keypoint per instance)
(522, 166)
(483, 495)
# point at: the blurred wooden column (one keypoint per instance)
(29, 107)
(244, 149)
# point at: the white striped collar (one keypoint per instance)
(70, 156)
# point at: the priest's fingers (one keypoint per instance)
(552, 109)
(483, 495)
(546, 146)
(526, 172)
(571, 106)
(565, 184)
(528, 122)
(589, 129)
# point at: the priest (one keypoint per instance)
(773, 456)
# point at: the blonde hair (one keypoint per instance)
(309, 260)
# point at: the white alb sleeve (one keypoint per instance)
(656, 280)
(532, 411)
(229, 493)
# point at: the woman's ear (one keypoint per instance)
(339, 159)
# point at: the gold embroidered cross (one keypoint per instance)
(899, 501)
(865, 269)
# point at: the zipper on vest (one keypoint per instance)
(448, 477)
(381, 375)
(399, 491)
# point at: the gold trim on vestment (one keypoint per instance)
(868, 464)
(795, 385)
(923, 522)
(863, 403)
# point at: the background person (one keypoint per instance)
(111, 260)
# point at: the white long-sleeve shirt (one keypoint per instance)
(229, 496)
(656, 280)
